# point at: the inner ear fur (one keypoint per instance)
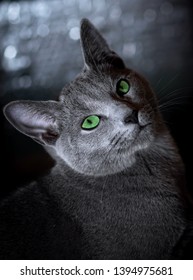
(37, 119)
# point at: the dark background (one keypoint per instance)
(40, 53)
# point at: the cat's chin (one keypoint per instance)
(108, 171)
(127, 158)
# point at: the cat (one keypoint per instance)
(116, 190)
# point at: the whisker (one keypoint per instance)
(159, 81)
(173, 93)
(180, 100)
(113, 146)
(168, 83)
(116, 135)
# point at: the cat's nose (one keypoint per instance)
(132, 118)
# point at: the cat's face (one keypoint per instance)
(104, 128)
(103, 117)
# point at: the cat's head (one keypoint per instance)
(102, 118)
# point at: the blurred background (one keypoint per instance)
(40, 53)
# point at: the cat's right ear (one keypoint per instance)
(36, 119)
(96, 51)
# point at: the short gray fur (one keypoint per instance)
(115, 191)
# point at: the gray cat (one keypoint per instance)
(116, 189)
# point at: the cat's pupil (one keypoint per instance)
(89, 121)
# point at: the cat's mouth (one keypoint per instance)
(141, 130)
(140, 136)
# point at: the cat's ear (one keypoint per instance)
(95, 49)
(36, 119)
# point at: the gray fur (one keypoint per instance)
(116, 191)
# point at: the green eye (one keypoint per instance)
(122, 87)
(90, 122)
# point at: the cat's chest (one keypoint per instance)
(126, 219)
(122, 207)
(118, 224)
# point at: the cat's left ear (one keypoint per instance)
(95, 49)
(37, 119)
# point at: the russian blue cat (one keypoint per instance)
(116, 190)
